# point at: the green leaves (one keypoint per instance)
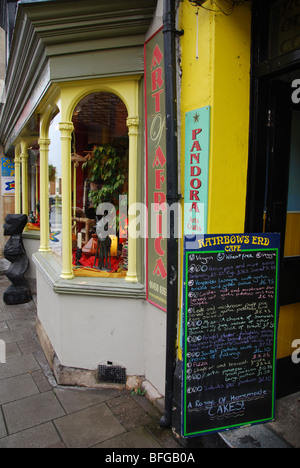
(52, 173)
(108, 168)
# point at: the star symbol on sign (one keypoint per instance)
(196, 117)
(10, 185)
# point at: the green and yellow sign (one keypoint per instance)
(156, 165)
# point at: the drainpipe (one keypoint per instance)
(170, 33)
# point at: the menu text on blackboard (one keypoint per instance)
(230, 325)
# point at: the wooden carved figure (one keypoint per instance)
(14, 252)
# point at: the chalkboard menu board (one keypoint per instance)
(230, 328)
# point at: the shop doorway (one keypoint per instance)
(273, 203)
(276, 207)
(282, 214)
(282, 189)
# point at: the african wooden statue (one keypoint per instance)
(14, 252)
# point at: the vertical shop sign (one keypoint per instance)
(8, 176)
(156, 166)
(197, 145)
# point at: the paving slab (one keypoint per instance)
(287, 421)
(77, 399)
(5, 314)
(89, 427)
(28, 323)
(28, 344)
(11, 336)
(165, 438)
(3, 431)
(3, 326)
(31, 411)
(18, 387)
(41, 381)
(42, 436)
(253, 437)
(130, 414)
(18, 365)
(21, 313)
(138, 439)
(283, 432)
(12, 350)
(26, 310)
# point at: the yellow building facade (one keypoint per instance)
(228, 52)
(216, 72)
(216, 67)
(83, 89)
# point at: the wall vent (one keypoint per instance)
(111, 373)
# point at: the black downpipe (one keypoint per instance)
(172, 197)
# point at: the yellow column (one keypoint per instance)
(132, 124)
(24, 162)
(66, 129)
(44, 198)
(17, 180)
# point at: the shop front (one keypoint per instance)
(70, 276)
(246, 57)
(149, 123)
(76, 135)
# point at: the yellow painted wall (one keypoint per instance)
(292, 236)
(215, 66)
(289, 316)
(219, 77)
(288, 329)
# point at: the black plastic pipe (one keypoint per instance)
(172, 197)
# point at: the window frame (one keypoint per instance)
(129, 89)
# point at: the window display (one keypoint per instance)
(33, 188)
(55, 187)
(99, 185)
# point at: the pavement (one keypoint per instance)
(35, 412)
(283, 432)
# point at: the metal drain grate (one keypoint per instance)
(112, 374)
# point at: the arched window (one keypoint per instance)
(99, 158)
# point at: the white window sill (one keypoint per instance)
(48, 266)
(31, 234)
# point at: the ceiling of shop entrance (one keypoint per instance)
(101, 110)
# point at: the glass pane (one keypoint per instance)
(99, 176)
(33, 187)
(284, 27)
(292, 238)
(55, 187)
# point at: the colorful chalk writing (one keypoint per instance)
(230, 322)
